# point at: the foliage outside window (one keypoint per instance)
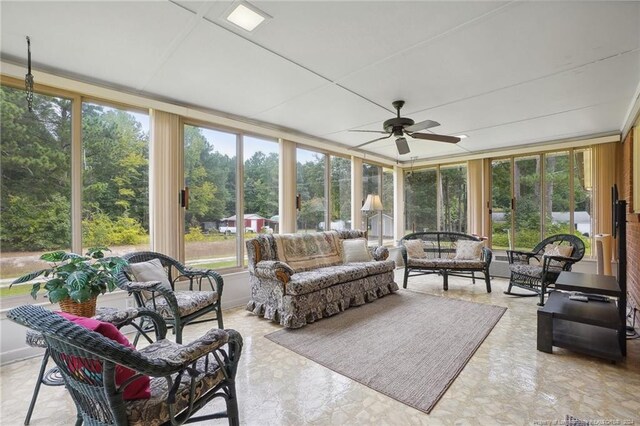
(210, 174)
(340, 193)
(527, 199)
(36, 182)
(453, 190)
(436, 199)
(310, 183)
(532, 197)
(115, 172)
(421, 200)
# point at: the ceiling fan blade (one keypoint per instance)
(403, 146)
(426, 124)
(369, 131)
(374, 140)
(434, 137)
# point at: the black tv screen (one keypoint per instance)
(614, 210)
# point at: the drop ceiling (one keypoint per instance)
(503, 73)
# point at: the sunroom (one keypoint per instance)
(163, 126)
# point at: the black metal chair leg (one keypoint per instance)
(36, 390)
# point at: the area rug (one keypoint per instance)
(409, 346)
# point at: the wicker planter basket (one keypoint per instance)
(84, 309)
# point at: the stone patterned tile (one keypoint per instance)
(506, 382)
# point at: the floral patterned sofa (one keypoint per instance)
(299, 278)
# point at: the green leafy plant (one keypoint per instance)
(74, 276)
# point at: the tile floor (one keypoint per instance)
(507, 381)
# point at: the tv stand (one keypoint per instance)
(596, 328)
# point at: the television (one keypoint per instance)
(614, 210)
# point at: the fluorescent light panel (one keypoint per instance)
(245, 17)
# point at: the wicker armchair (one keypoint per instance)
(536, 276)
(184, 378)
(177, 307)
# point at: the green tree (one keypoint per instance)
(36, 172)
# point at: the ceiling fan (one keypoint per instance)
(401, 126)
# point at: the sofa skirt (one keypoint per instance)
(268, 299)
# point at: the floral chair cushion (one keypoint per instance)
(188, 302)
(532, 270)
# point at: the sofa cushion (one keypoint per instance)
(532, 270)
(469, 250)
(415, 249)
(304, 252)
(355, 250)
(445, 263)
(310, 281)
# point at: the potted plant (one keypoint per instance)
(75, 281)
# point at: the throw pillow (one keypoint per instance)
(557, 250)
(355, 250)
(415, 249)
(469, 250)
(139, 388)
(151, 270)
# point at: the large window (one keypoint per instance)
(527, 199)
(536, 196)
(261, 163)
(310, 183)
(453, 189)
(115, 171)
(371, 185)
(210, 173)
(340, 193)
(436, 199)
(421, 200)
(36, 183)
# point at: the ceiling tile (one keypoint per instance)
(338, 38)
(215, 69)
(119, 43)
(525, 41)
(324, 111)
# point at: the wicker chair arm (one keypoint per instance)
(487, 255)
(516, 256)
(215, 279)
(134, 287)
(273, 270)
(564, 260)
(121, 318)
(379, 253)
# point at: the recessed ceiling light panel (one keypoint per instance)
(462, 136)
(246, 16)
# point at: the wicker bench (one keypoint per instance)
(442, 255)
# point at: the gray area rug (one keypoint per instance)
(409, 346)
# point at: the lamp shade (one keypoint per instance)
(372, 203)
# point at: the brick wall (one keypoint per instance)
(633, 224)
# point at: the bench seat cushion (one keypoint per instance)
(445, 263)
(317, 279)
(533, 270)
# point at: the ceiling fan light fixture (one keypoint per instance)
(247, 16)
(402, 145)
